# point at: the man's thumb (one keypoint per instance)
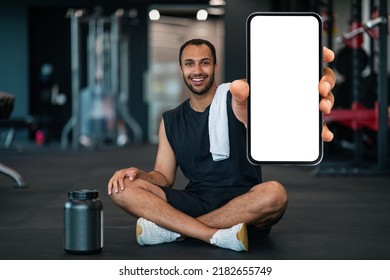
(239, 90)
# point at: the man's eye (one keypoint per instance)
(206, 62)
(189, 64)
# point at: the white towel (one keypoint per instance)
(218, 124)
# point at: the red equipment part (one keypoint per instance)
(357, 117)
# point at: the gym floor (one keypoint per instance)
(328, 217)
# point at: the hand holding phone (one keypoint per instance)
(284, 52)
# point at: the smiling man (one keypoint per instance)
(224, 197)
(198, 75)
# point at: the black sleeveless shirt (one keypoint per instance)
(187, 133)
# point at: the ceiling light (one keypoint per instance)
(154, 14)
(202, 14)
(217, 3)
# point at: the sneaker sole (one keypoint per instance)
(242, 235)
(138, 231)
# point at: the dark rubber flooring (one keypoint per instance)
(328, 217)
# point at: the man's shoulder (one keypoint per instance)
(176, 110)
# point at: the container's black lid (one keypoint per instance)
(83, 194)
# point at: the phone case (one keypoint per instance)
(284, 66)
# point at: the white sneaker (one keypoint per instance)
(148, 233)
(234, 238)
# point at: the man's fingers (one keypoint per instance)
(112, 186)
(109, 187)
(239, 90)
(132, 174)
(116, 182)
(326, 135)
(327, 103)
(327, 82)
(325, 87)
(328, 55)
(240, 93)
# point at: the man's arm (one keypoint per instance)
(165, 164)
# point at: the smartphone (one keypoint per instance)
(284, 66)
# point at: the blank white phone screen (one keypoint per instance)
(284, 68)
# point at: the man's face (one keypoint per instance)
(198, 68)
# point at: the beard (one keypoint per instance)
(203, 90)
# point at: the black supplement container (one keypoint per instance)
(83, 222)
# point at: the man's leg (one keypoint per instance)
(143, 199)
(261, 206)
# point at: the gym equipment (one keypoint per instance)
(6, 106)
(357, 116)
(94, 107)
(365, 27)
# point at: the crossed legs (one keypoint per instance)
(261, 206)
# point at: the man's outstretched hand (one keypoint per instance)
(240, 93)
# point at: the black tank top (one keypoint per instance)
(187, 133)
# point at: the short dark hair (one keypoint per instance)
(198, 42)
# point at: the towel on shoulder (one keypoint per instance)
(218, 124)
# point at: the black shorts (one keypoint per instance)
(197, 201)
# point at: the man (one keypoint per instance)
(222, 197)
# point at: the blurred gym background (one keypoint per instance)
(82, 88)
(100, 73)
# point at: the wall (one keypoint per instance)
(235, 35)
(14, 54)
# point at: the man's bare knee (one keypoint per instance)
(121, 198)
(133, 191)
(273, 195)
(272, 198)
(279, 197)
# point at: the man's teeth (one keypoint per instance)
(197, 79)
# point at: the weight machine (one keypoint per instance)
(101, 109)
(358, 116)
